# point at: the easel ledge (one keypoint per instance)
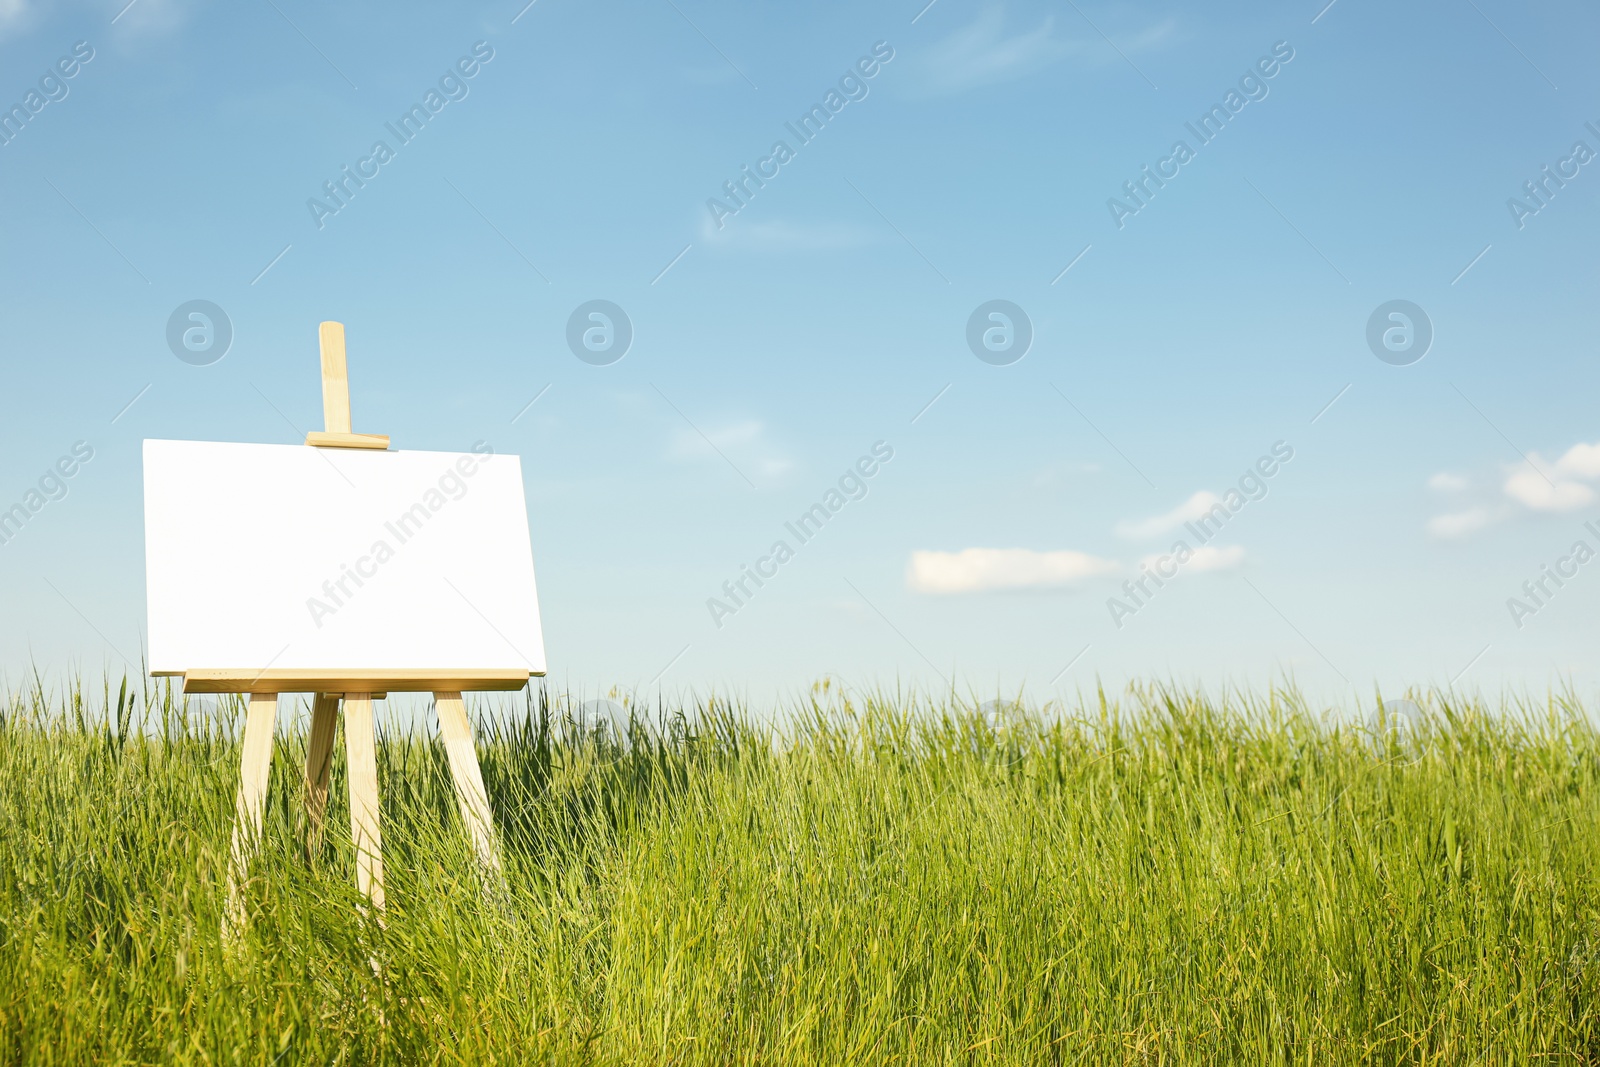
(362, 681)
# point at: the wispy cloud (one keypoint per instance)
(984, 53)
(14, 16)
(1458, 524)
(688, 444)
(1195, 507)
(1150, 37)
(974, 570)
(148, 18)
(777, 235)
(1445, 482)
(1064, 473)
(745, 443)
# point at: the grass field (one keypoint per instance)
(1155, 879)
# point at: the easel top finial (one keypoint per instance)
(336, 396)
(335, 378)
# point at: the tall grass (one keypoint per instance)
(1160, 879)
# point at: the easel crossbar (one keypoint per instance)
(420, 680)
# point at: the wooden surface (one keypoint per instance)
(372, 681)
(319, 765)
(347, 440)
(254, 772)
(473, 799)
(335, 379)
(360, 746)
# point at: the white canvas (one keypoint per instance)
(291, 557)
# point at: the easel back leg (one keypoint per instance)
(361, 748)
(319, 766)
(255, 770)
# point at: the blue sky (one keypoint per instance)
(1173, 347)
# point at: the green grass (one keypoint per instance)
(1156, 880)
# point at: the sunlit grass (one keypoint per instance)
(1156, 879)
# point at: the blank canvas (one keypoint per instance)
(271, 557)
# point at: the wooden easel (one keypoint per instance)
(356, 690)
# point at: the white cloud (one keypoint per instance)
(1458, 524)
(1538, 484)
(973, 570)
(1580, 461)
(1204, 558)
(1541, 492)
(1191, 509)
(1544, 486)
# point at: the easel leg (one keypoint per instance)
(319, 763)
(361, 748)
(470, 793)
(255, 769)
